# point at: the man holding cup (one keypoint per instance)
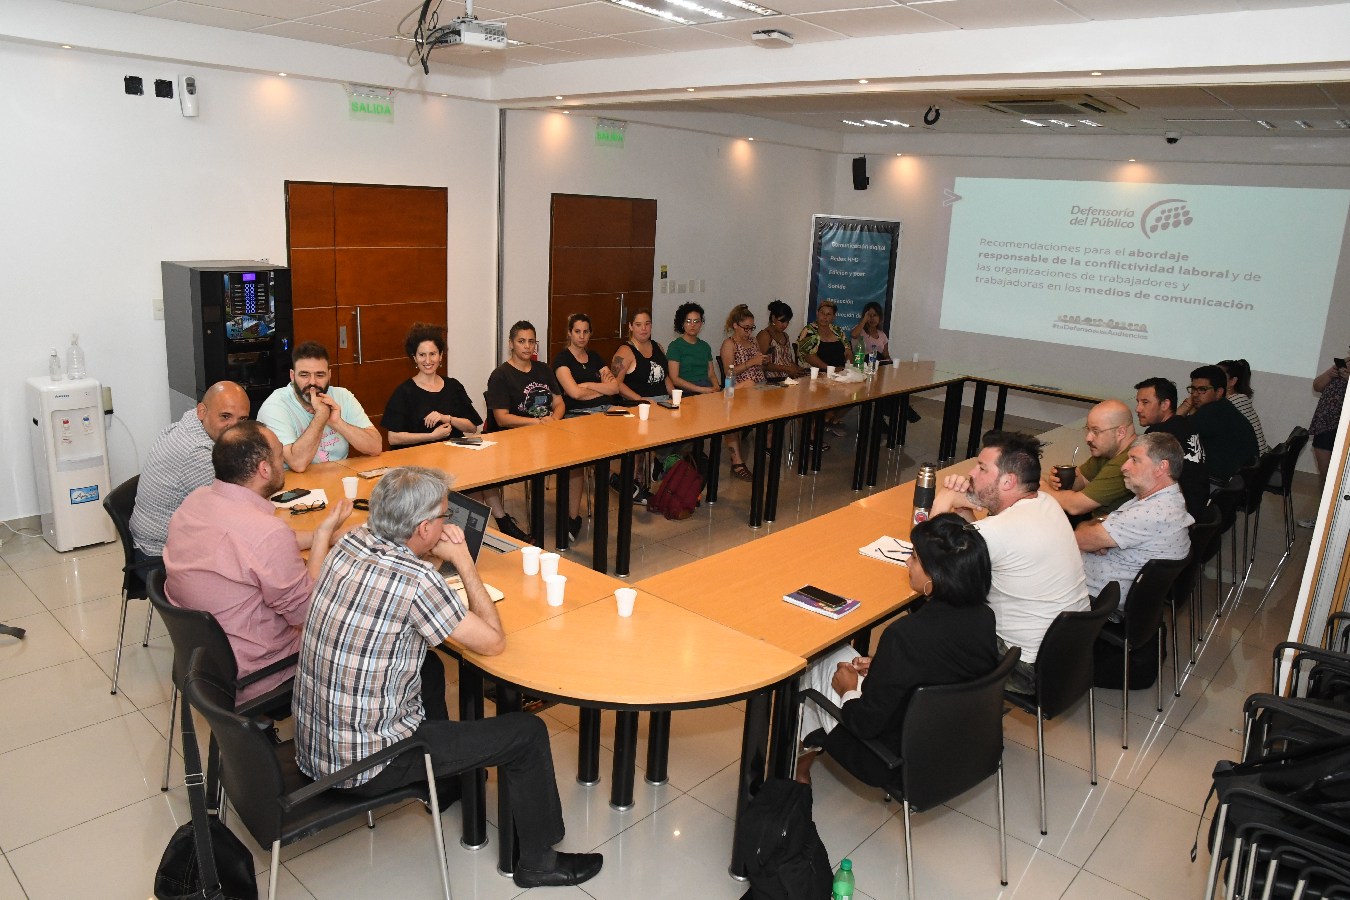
(1098, 483)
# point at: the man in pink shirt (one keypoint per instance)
(229, 555)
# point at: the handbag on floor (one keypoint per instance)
(204, 859)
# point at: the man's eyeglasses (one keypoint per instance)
(1199, 390)
(300, 509)
(1093, 430)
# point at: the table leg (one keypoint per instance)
(564, 500)
(588, 747)
(658, 747)
(779, 431)
(783, 730)
(624, 547)
(951, 422)
(625, 760)
(874, 444)
(819, 447)
(976, 420)
(900, 424)
(1001, 407)
(600, 519)
(753, 738)
(865, 412)
(473, 796)
(757, 476)
(809, 438)
(508, 701)
(714, 467)
(537, 510)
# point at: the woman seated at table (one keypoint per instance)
(690, 357)
(823, 344)
(588, 387)
(773, 341)
(521, 392)
(868, 330)
(743, 362)
(949, 640)
(642, 368)
(1240, 393)
(429, 407)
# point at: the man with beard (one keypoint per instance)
(229, 555)
(314, 422)
(1037, 569)
(1098, 484)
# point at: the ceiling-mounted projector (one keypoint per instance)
(469, 32)
(772, 37)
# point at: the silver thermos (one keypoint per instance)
(925, 489)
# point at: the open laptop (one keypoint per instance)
(472, 518)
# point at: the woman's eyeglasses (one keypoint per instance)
(300, 509)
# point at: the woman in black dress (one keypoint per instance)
(428, 407)
(949, 640)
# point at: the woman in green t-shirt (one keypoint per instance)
(690, 357)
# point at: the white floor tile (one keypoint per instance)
(1148, 851)
(9, 883)
(56, 700)
(76, 579)
(75, 777)
(45, 644)
(93, 623)
(147, 672)
(702, 742)
(1090, 887)
(15, 597)
(1218, 716)
(1066, 739)
(22, 553)
(1183, 774)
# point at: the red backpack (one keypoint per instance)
(679, 492)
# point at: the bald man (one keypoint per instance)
(180, 462)
(1099, 485)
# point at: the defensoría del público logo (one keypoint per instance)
(1165, 215)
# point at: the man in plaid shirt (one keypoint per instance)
(377, 608)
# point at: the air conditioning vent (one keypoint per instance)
(1081, 105)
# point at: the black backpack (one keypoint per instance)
(782, 851)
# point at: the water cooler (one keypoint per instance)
(226, 320)
(70, 461)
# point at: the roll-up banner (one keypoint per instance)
(852, 263)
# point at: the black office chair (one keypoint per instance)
(1282, 483)
(278, 803)
(191, 630)
(1255, 480)
(1143, 622)
(951, 740)
(1206, 536)
(1064, 671)
(119, 503)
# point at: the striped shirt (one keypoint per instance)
(178, 464)
(358, 687)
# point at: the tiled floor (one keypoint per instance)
(83, 815)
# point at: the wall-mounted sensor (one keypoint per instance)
(187, 94)
(164, 88)
(133, 85)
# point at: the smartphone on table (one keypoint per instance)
(288, 496)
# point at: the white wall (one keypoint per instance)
(909, 189)
(100, 187)
(732, 213)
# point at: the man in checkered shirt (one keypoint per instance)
(378, 605)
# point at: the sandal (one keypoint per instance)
(742, 472)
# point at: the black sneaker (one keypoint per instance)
(571, 868)
(640, 495)
(573, 529)
(507, 526)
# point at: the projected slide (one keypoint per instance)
(1188, 272)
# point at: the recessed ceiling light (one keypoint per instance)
(1132, 159)
(862, 81)
(1094, 73)
(1062, 123)
(874, 122)
(557, 96)
(445, 95)
(690, 90)
(1270, 126)
(651, 11)
(1034, 122)
(853, 123)
(749, 139)
(65, 46)
(1092, 123)
(898, 122)
(1343, 123)
(282, 74)
(899, 154)
(1303, 123)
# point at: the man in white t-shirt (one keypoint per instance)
(1037, 568)
(315, 422)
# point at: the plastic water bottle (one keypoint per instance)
(54, 366)
(729, 388)
(74, 358)
(843, 881)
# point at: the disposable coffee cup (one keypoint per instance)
(555, 585)
(625, 597)
(1066, 476)
(548, 564)
(529, 560)
(815, 372)
(829, 371)
(676, 396)
(644, 410)
(349, 487)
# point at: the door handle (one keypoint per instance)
(359, 360)
(623, 316)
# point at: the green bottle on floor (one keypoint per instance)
(843, 881)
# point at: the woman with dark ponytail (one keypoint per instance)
(1240, 395)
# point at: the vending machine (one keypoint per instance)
(70, 461)
(226, 320)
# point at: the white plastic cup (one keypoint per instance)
(916, 358)
(349, 487)
(829, 371)
(815, 372)
(548, 564)
(644, 410)
(676, 395)
(555, 585)
(529, 560)
(625, 597)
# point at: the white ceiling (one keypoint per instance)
(561, 31)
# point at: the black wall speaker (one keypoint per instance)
(860, 179)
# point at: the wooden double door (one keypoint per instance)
(367, 261)
(602, 254)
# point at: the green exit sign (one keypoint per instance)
(610, 132)
(369, 103)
